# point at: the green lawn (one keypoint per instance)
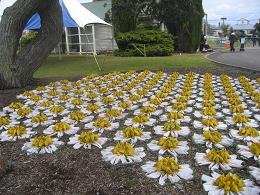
(82, 65)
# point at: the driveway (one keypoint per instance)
(249, 59)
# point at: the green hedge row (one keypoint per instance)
(155, 42)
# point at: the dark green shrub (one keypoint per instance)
(27, 38)
(156, 43)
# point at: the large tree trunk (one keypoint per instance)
(17, 67)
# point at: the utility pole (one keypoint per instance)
(206, 28)
(223, 19)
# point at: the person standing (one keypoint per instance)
(232, 39)
(242, 41)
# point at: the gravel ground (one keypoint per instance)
(70, 171)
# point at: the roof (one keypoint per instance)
(99, 8)
(243, 27)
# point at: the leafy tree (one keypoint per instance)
(257, 27)
(17, 67)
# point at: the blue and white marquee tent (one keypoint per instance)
(74, 15)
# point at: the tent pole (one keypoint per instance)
(80, 46)
(94, 39)
(67, 41)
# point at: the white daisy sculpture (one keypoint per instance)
(16, 132)
(86, 139)
(42, 144)
(123, 152)
(39, 120)
(102, 124)
(56, 111)
(12, 107)
(229, 184)
(112, 114)
(167, 168)
(169, 144)
(140, 120)
(242, 120)
(76, 117)
(218, 159)
(212, 138)
(148, 110)
(6, 122)
(246, 133)
(132, 134)
(175, 116)
(252, 150)
(60, 129)
(172, 128)
(209, 124)
(255, 172)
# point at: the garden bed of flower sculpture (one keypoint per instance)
(148, 112)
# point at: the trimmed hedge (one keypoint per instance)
(156, 43)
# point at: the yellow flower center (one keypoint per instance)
(212, 136)
(57, 109)
(66, 88)
(169, 143)
(88, 137)
(141, 118)
(28, 93)
(107, 100)
(47, 104)
(175, 115)
(135, 97)
(118, 93)
(4, 121)
(248, 132)
(93, 107)
(52, 84)
(208, 103)
(186, 92)
(131, 132)
(77, 101)
(168, 166)
(16, 105)
(230, 183)
(123, 148)
(235, 101)
(77, 115)
(64, 97)
(156, 101)
(172, 126)
(148, 109)
(218, 156)
(60, 127)
(16, 131)
(209, 111)
(161, 95)
(211, 122)
(124, 105)
(241, 118)
(103, 90)
(24, 111)
(255, 148)
(35, 98)
(64, 81)
(102, 123)
(39, 118)
(142, 92)
(91, 95)
(179, 106)
(78, 92)
(208, 96)
(53, 93)
(237, 109)
(182, 99)
(42, 141)
(40, 88)
(113, 113)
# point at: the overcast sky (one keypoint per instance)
(233, 10)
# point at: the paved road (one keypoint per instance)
(249, 59)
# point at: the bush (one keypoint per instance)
(27, 38)
(156, 43)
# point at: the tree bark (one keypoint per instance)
(17, 67)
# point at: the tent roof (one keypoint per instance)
(99, 8)
(74, 14)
